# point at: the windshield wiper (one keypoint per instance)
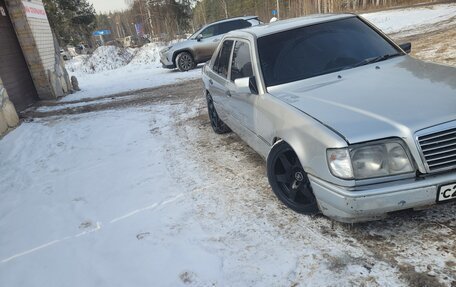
(375, 59)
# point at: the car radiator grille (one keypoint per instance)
(439, 149)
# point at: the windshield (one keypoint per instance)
(193, 36)
(320, 49)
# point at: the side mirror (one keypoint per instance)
(407, 47)
(246, 85)
(199, 37)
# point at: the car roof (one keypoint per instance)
(235, 18)
(284, 25)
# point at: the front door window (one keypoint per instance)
(241, 66)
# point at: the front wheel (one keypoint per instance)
(289, 181)
(217, 124)
(185, 62)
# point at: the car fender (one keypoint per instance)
(177, 52)
(308, 137)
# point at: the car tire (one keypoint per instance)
(185, 61)
(217, 124)
(289, 181)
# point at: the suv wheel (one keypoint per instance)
(185, 62)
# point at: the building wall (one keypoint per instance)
(42, 57)
(29, 48)
(8, 115)
(44, 40)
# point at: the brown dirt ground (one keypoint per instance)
(437, 46)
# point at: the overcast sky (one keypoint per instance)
(108, 5)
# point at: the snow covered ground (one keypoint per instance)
(113, 70)
(136, 190)
(411, 21)
(138, 195)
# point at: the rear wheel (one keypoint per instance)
(185, 62)
(217, 124)
(289, 181)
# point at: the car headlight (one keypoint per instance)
(369, 160)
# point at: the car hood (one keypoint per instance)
(393, 98)
(182, 44)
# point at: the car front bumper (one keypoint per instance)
(376, 201)
(166, 61)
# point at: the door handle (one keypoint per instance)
(228, 93)
(211, 82)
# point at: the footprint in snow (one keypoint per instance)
(85, 224)
(187, 277)
(142, 235)
(48, 190)
(80, 199)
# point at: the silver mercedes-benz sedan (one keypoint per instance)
(349, 124)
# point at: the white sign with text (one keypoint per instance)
(33, 10)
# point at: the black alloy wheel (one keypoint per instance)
(185, 62)
(217, 124)
(289, 181)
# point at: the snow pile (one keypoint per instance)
(77, 63)
(105, 58)
(147, 55)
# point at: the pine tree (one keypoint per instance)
(72, 21)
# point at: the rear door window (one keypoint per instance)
(241, 66)
(222, 61)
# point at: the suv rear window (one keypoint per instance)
(233, 25)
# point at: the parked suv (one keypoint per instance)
(199, 47)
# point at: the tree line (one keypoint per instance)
(207, 11)
(157, 18)
(73, 21)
